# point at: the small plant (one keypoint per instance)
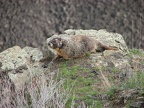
(136, 52)
(137, 81)
(115, 70)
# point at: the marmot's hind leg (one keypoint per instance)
(100, 49)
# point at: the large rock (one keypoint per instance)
(107, 38)
(15, 57)
(21, 63)
(111, 58)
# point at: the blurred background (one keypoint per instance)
(30, 22)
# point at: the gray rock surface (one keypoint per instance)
(15, 57)
(21, 63)
(107, 38)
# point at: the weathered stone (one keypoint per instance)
(107, 38)
(139, 104)
(35, 53)
(13, 58)
(21, 64)
(121, 63)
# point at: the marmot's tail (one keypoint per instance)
(102, 47)
(109, 47)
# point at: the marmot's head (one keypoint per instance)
(56, 43)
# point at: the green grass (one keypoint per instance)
(110, 92)
(81, 81)
(115, 70)
(137, 81)
(136, 52)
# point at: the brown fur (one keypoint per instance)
(76, 46)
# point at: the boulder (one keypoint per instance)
(19, 63)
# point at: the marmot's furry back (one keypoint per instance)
(75, 46)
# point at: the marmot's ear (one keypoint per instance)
(59, 39)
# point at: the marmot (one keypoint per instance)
(75, 46)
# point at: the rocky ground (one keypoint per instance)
(112, 80)
(30, 22)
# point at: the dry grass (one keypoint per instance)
(41, 92)
(105, 80)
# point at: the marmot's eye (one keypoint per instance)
(48, 44)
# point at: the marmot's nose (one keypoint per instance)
(48, 44)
